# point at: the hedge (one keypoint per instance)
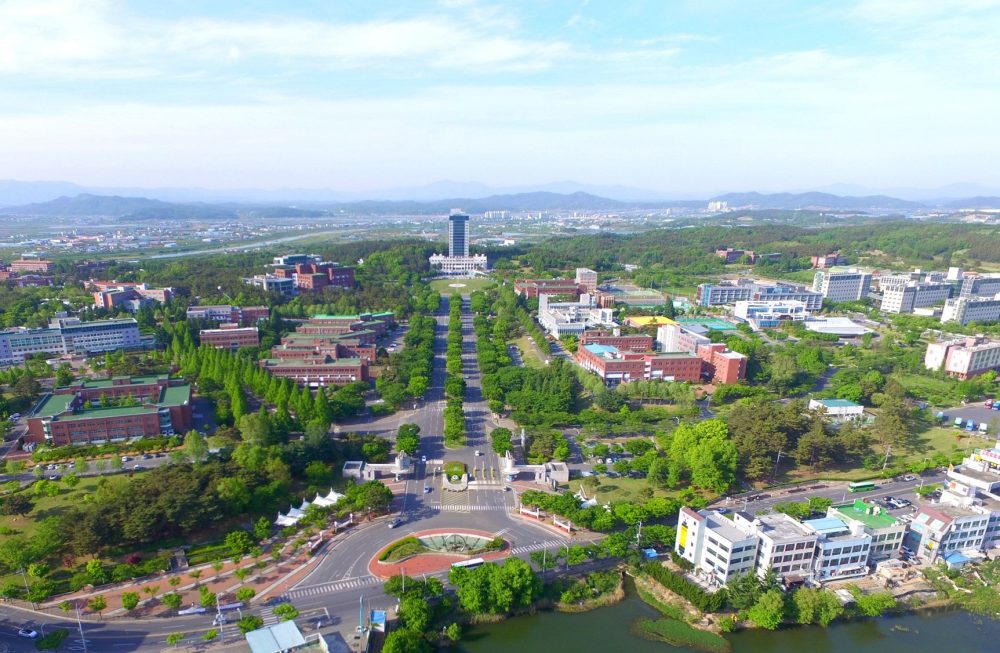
(683, 587)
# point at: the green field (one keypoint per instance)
(444, 286)
(46, 506)
(529, 352)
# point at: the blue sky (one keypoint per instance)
(672, 96)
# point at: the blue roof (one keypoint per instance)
(602, 350)
(273, 639)
(837, 403)
(956, 557)
(826, 525)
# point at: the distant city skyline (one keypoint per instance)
(691, 98)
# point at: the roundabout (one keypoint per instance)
(434, 551)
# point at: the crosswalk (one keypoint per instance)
(537, 546)
(469, 508)
(268, 616)
(332, 587)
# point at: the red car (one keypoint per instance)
(989, 403)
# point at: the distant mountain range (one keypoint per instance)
(145, 208)
(815, 200)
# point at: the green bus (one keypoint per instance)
(861, 486)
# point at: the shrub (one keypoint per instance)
(683, 587)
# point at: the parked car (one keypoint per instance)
(27, 632)
(125, 459)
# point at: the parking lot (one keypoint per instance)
(979, 414)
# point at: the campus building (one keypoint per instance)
(532, 288)
(311, 272)
(842, 286)
(69, 336)
(838, 410)
(572, 318)
(587, 280)
(730, 292)
(730, 255)
(905, 297)
(245, 315)
(32, 265)
(770, 314)
(715, 545)
(230, 335)
(980, 285)
(127, 296)
(284, 286)
(941, 531)
(966, 310)
(827, 261)
(329, 349)
(637, 342)
(93, 411)
(615, 366)
(963, 358)
(458, 260)
(721, 364)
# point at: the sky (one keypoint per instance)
(667, 95)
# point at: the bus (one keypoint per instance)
(471, 563)
(862, 486)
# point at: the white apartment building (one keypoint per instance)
(715, 545)
(842, 286)
(905, 297)
(965, 310)
(841, 549)
(786, 546)
(459, 265)
(963, 358)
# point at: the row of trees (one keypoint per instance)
(454, 385)
(408, 373)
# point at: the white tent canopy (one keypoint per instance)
(295, 514)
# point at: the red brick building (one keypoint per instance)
(230, 336)
(32, 265)
(107, 410)
(534, 287)
(722, 365)
(316, 275)
(637, 342)
(615, 367)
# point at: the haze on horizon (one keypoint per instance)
(674, 97)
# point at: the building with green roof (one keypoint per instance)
(887, 532)
(107, 410)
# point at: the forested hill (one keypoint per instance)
(889, 242)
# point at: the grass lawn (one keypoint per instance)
(529, 353)
(453, 468)
(45, 506)
(937, 392)
(938, 439)
(444, 286)
(623, 488)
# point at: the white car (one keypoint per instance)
(27, 632)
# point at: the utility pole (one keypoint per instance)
(776, 461)
(886, 461)
(218, 618)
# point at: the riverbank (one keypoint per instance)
(611, 629)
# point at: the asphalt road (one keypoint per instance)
(341, 579)
(835, 490)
